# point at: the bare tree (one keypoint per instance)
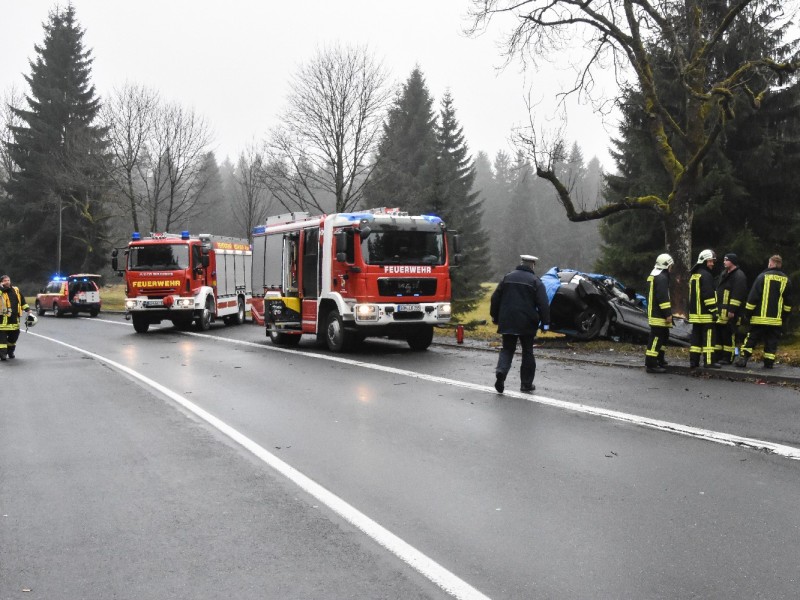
(129, 113)
(158, 156)
(628, 36)
(328, 131)
(184, 138)
(252, 201)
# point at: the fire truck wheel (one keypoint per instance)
(57, 310)
(336, 336)
(39, 308)
(420, 339)
(140, 324)
(94, 312)
(239, 317)
(204, 320)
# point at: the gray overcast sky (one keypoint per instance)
(231, 61)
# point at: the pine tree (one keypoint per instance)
(403, 174)
(520, 230)
(55, 215)
(746, 203)
(455, 201)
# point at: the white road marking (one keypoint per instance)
(709, 435)
(429, 568)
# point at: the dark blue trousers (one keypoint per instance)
(527, 370)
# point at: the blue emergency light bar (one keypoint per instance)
(136, 236)
(185, 234)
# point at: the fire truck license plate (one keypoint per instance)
(154, 303)
(408, 308)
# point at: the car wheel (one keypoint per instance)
(57, 311)
(39, 308)
(337, 337)
(589, 322)
(94, 312)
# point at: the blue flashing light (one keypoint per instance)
(185, 234)
(432, 218)
(136, 236)
(259, 230)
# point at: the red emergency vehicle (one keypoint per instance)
(347, 276)
(185, 279)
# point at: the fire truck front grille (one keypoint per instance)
(422, 286)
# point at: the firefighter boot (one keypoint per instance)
(652, 366)
(741, 362)
(662, 361)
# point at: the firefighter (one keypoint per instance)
(12, 305)
(703, 311)
(519, 306)
(731, 296)
(659, 314)
(768, 307)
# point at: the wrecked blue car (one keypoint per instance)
(586, 306)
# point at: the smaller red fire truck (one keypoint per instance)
(185, 279)
(347, 276)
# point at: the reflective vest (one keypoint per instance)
(10, 313)
(702, 298)
(768, 302)
(659, 305)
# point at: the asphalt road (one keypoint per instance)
(172, 465)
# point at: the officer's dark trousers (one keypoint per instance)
(769, 334)
(527, 370)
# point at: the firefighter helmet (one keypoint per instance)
(706, 255)
(30, 320)
(664, 261)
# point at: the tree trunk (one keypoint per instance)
(678, 239)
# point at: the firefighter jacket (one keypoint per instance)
(702, 298)
(659, 305)
(769, 302)
(12, 304)
(519, 303)
(731, 294)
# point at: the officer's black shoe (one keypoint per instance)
(499, 384)
(656, 369)
(713, 365)
(527, 389)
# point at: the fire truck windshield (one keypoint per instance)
(158, 257)
(403, 247)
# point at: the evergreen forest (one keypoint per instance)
(81, 168)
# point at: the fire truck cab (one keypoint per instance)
(347, 276)
(185, 279)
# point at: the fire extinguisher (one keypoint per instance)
(459, 334)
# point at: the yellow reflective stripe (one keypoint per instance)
(735, 302)
(665, 305)
(766, 321)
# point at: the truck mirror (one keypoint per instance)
(364, 232)
(456, 260)
(204, 260)
(456, 244)
(340, 239)
(114, 264)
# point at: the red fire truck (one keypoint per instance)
(347, 276)
(185, 279)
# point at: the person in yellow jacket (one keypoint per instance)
(703, 311)
(768, 307)
(12, 305)
(659, 314)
